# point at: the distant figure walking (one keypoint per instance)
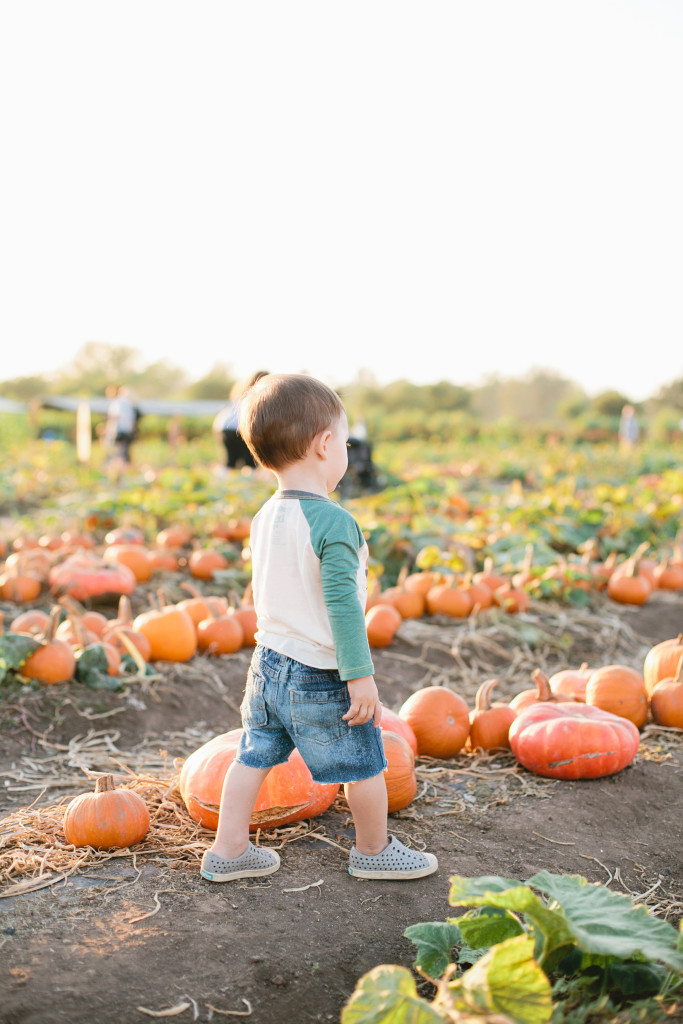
(226, 424)
(121, 421)
(629, 431)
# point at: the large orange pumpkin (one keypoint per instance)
(619, 689)
(399, 774)
(572, 741)
(107, 818)
(439, 718)
(287, 794)
(666, 700)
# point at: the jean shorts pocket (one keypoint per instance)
(253, 707)
(317, 716)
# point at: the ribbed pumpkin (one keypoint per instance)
(489, 723)
(399, 775)
(572, 741)
(19, 587)
(619, 689)
(106, 819)
(661, 661)
(288, 793)
(666, 700)
(391, 722)
(440, 719)
(381, 623)
(170, 631)
(85, 578)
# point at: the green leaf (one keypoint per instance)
(434, 941)
(506, 980)
(610, 923)
(636, 980)
(554, 938)
(15, 648)
(387, 995)
(92, 669)
(483, 928)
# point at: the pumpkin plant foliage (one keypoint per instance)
(499, 959)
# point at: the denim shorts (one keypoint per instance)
(287, 704)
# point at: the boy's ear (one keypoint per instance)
(321, 442)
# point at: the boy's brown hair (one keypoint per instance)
(282, 414)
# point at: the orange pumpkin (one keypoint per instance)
(391, 722)
(199, 607)
(134, 556)
(204, 562)
(666, 701)
(661, 661)
(571, 682)
(177, 535)
(54, 661)
(511, 599)
(489, 577)
(33, 621)
(628, 586)
(399, 775)
(287, 794)
(421, 582)
(620, 690)
(20, 588)
(381, 623)
(410, 604)
(85, 577)
(245, 613)
(669, 575)
(541, 694)
(106, 819)
(220, 634)
(489, 723)
(449, 598)
(440, 719)
(170, 631)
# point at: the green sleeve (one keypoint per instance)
(337, 540)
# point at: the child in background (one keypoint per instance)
(310, 683)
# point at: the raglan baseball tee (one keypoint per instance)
(309, 578)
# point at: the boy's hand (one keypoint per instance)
(365, 703)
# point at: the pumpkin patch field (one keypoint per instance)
(525, 615)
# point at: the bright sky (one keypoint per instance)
(438, 190)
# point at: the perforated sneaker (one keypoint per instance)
(394, 861)
(254, 862)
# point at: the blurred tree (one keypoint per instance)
(671, 394)
(216, 384)
(98, 364)
(23, 389)
(609, 403)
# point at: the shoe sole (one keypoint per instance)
(212, 876)
(396, 875)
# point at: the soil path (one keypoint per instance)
(148, 932)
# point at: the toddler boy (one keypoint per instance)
(310, 683)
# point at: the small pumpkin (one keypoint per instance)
(512, 599)
(288, 793)
(381, 623)
(489, 577)
(391, 722)
(661, 661)
(489, 723)
(628, 586)
(170, 631)
(107, 819)
(571, 682)
(33, 621)
(619, 689)
(572, 741)
(421, 582)
(409, 604)
(204, 562)
(399, 775)
(135, 556)
(199, 607)
(440, 719)
(54, 661)
(666, 700)
(449, 598)
(220, 634)
(669, 575)
(541, 693)
(177, 535)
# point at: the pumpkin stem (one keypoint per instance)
(191, 589)
(482, 699)
(104, 783)
(51, 628)
(542, 685)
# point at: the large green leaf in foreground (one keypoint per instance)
(587, 917)
(506, 981)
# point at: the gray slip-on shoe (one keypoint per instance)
(254, 862)
(395, 861)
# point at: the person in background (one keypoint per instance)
(311, 681)
(121, 422)
(226, 425)
(629, 430)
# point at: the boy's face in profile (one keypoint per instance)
(337, 453)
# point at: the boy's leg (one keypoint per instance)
(368, 802)
(238, 796)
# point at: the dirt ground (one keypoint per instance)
(149, 932)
